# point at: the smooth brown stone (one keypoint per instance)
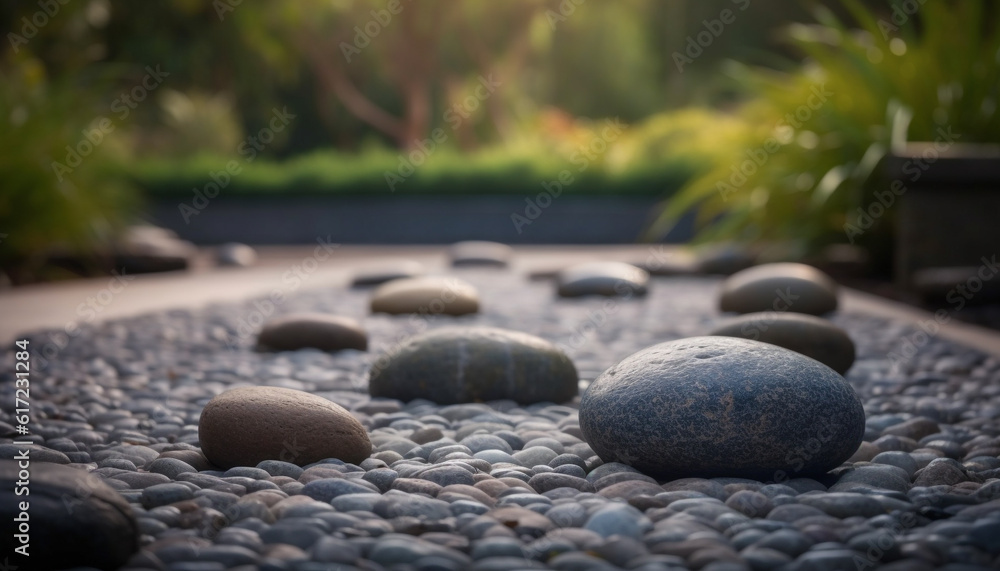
(426, 296)
(779, 287)
(247, 425)
(318, 330)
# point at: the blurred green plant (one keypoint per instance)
(493, 170)
(194, 122)
(811, 139)
(44, 212)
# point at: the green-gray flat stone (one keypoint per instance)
(812, 336)
(475, 364)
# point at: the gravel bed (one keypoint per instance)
(501, 486)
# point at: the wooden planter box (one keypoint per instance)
(948, 207)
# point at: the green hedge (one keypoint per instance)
(444, 173)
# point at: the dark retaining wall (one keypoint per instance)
(412, 220)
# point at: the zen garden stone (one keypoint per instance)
(779, 287)
(721, 406)
(455, 365)
(711, 453)
(378, 274)
(247, 425)
(235, 254)
(480, 253)
(318, 330)
(73, 519)
(603, 278)
(812, 336)
(426, 295)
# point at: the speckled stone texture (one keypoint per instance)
(779, 287)
(75, 519)
(321, 331)
(426, 296)
(721, 406)
(812, 336)
(456, 365)
(616, 279)
(247, 425)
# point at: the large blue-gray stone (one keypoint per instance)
(474, 364)
(722, 406)
(807, 334)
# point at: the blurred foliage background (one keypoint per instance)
(368, 80)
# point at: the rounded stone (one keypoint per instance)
(807, 334)
(722, 406)
(474, 364)
(426, 295)
(74, 519)
(235, 254)
(480, 253)
(602, 278)
(779, 287)
(247, 425)
(377, 274)
(317, 330)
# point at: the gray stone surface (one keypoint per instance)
(812, 336)
(721, 406)
(611, 279)
(321, 331)
(139, 386)
(457, 365)
(248, 425)
(779, 287)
